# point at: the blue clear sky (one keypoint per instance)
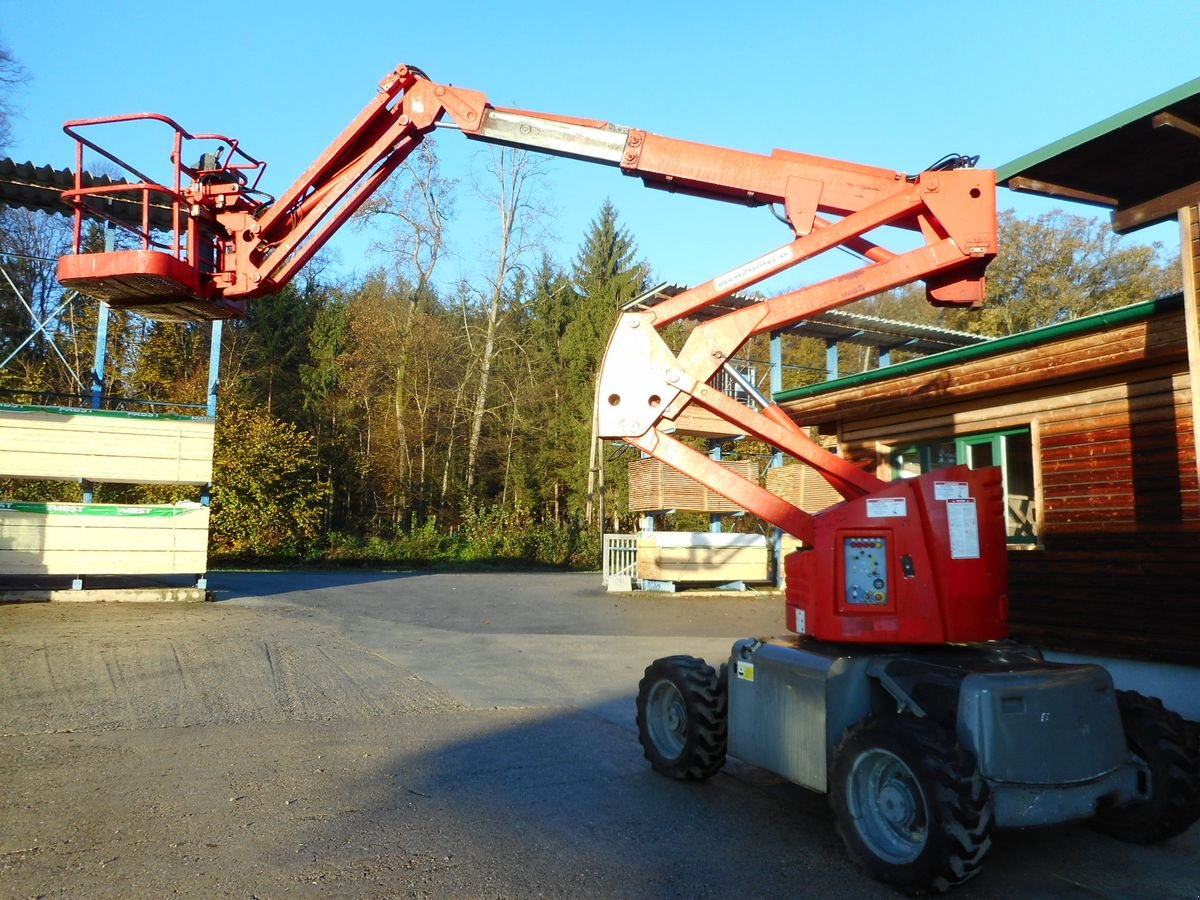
(892, 84)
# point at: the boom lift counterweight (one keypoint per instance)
(899, 696)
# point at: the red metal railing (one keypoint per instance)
(231, 162)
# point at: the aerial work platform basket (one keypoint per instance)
(172, 271)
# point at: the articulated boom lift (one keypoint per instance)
(899, 697)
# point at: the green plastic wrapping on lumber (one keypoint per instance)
(97, 509)
(102, 413)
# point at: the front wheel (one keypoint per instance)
(681, 717)
(910, 804)
(1168, 746)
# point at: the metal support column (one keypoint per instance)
(831, 359)
(99, 361)
(214, 384)
(214, 366)
(714, 453)
(100, 357)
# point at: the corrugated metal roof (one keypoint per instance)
(39, 188)
(991, 347)
(856, 328)
(836, 325)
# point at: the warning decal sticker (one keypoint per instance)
(950, 490)
(964, 529)
(887, 507)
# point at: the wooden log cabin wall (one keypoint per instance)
(1092, 421)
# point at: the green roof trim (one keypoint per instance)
(1146, 108)
(1044, 335)
(102, 413)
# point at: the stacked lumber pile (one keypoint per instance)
(65, 444)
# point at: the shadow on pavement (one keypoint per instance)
(564, 805)
(235, 584)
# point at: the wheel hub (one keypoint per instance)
(667, 714)
(888, 806)
(897, 804)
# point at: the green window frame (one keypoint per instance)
(1011, 449)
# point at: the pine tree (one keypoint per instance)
(605, 276)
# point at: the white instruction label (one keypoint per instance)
(950, 490)
(887, 507)
(745, 670)
(800, 623)
(964, 529)
(753, 269)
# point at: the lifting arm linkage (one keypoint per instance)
(642, 382)
(272, 247)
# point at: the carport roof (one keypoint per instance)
(995, 346)
(832, 325)
(1143, 163)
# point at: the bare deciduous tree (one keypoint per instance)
(514, 198)
(12, 74)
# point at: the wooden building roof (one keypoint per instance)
(1143, 163)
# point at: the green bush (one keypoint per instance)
(489, 536)
(266, 499)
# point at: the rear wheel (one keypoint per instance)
(910, 804)
(1169, 747)
(681, 717)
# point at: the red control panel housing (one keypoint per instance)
(920, 561)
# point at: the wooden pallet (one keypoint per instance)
(98, 446)
(100, 538)
(685, 556)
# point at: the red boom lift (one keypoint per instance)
(899, 695)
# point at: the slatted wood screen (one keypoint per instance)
(655, 486)
(803, 486)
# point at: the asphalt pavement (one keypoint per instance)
(365, 734)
